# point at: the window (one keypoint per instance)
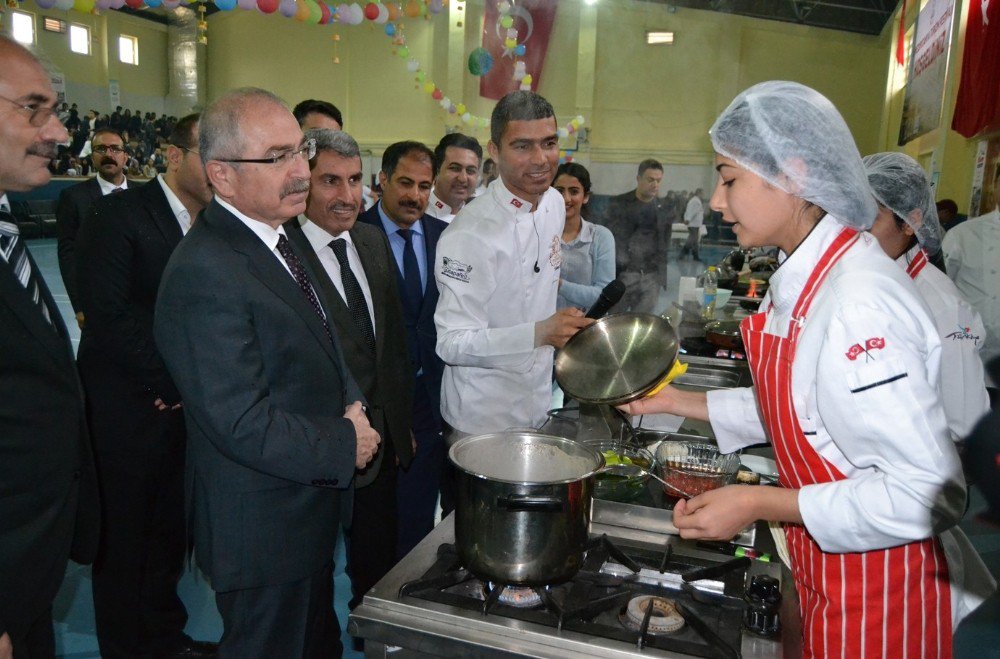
(79, 39)
(128, 49)
(22, 27)
(50, 24)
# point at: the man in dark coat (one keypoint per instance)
(406, 177)
(276, 425)
(134, 408)
(48, 490)
(358, 287)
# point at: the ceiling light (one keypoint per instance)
(659, 38)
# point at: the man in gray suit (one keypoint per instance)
(357, 285)
(275, 421)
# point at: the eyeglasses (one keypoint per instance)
(194, 151)
(306, 151)
(108, 148)
(40, 114)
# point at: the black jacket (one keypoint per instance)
(73, 205)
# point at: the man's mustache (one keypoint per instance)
(340, 207)
(295, 187)
(108, 161)
(410, 204)
(48, 150)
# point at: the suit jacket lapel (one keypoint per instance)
(53, 336)
(376, 273)
(162, 215)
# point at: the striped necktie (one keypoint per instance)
(16, 255)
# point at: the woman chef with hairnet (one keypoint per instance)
(845, 362)
(908, 230)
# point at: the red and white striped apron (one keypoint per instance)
(882, 603)
(917, 264)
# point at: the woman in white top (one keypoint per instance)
(908, 230)
(845, 360)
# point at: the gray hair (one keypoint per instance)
(336, 141)
(517, 106)
(219, 134)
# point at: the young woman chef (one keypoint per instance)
(845, 362)
(908, 230)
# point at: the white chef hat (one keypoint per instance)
(794, 138)
(900, 184)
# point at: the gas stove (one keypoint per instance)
(429, 605)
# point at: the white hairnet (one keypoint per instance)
(793, 138)
(900, 184)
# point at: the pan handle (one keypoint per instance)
(527, 503)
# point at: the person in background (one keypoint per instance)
(694, 218)
(488, 176)
(109, 157)
(972, 259)
(456, 158)
(407, 170)
(312, 114)
(133, 407)
(497, 270)
(588, 249)
(275, 421)
(49, 510)
(845, 363)
(948, 214)
(907, 228)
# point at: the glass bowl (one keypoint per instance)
(695, 468)
(613, 487)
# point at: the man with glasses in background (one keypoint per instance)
(134, 408)
(48, 489)
(275, 422)
(109, 157)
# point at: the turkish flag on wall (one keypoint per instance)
(977, 107)
(533, 21)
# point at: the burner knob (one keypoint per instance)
(763, 599)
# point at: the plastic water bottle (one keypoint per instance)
(710, 284)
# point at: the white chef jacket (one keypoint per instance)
(437, 208)
(694, 213)
(961, 384)
(490, 299)
(972, 258)
(876, 417)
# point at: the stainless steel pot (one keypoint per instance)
(523, 506)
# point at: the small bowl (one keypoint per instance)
(722, 296)
(695, 468)
(621, 488)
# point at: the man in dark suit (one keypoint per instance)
(275, 422)
(109, 157)
(134, 408)
(358, 288)
(406, 178)
(48, 490)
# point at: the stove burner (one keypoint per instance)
(520, 597)
(662, 614)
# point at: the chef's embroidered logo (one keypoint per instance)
(963, 334)
(555, 252)
(856, 350)
(516, 203)
(455, 269)
(439, 204)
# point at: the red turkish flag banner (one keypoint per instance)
(977, 107)
(533, 20)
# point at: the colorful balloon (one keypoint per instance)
(403, 52)
(390, 29)
(325, 13)
(301, 11)
(437, 95)
(429, 87)
(371, 11)
(223, 5)
(412, 66)
(412, 8)
(268, 6)
(480, 62)
(134, 4)
(435, 6)
(506, 21)
(383, 14)
(520, 50)
(394, 10)
(83, 6)
(46, 4)
(288, 8)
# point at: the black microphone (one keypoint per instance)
(608, 298)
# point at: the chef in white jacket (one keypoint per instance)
(497, 270)
(972, 257)
(845, 359)
(908, 230)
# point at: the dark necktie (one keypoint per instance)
(413, 294)
(16, 255)
(116, 190)
(355, 297)
(302, 279)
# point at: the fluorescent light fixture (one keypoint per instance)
(656, 38)
(590, 2)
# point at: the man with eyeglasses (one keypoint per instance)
(48, 489)
(275, 421)
(109, 157)
(134, 408)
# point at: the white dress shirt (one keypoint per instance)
(439, 209)
(180, 212)
(107, 187)
(320, 241)
(267, 234)
(972, 258)
(694, 213)
(962, 381)
(491, 297)
(877, 417)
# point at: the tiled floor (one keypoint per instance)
(73, 609)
